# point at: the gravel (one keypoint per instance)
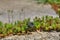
(36, 36)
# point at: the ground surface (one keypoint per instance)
(30, 9)
(36, 36)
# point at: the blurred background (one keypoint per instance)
(13, 10)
